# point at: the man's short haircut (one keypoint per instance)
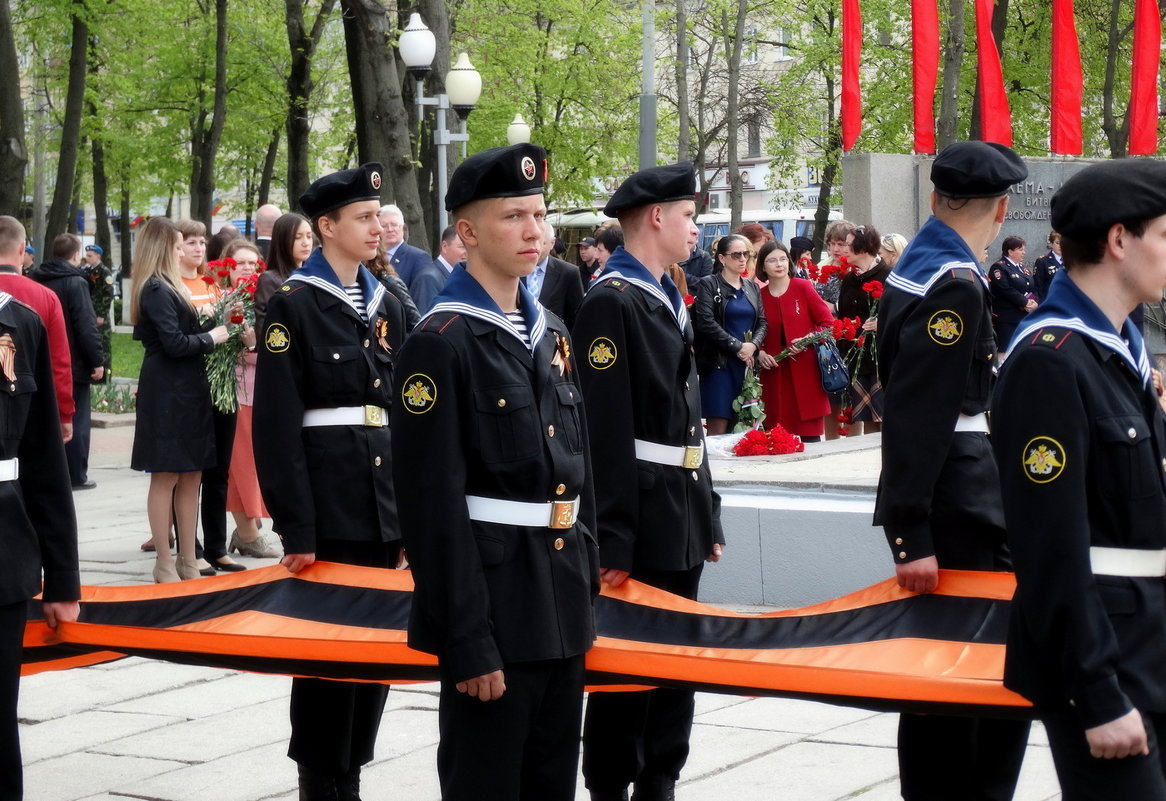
(390, 208)
(449, 234)
(65, 246)
(333, 215)
(1089, 249)
(12, 236)
(189, 228)
(610, 237)
(838, 230)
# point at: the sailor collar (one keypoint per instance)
(1066, 306)
(464, 295)
(319, 273)
(625, 266)
(934, 252)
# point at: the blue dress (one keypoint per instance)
(719, 388)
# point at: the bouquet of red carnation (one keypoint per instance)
(775, 442)
(236, 310)
(747, 405)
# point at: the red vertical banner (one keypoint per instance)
(1065, 127)
(1144, 81)
(995, 115)
(851, 100)
(925, 53)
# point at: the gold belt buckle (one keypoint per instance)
(374, 416)
(562, 514)
(693, 457)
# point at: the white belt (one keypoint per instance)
(1132, 562)
(976, 422)
(553, 514)
(9, 469)
(689, 457)
(373, 416)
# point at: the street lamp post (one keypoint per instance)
(463, 87)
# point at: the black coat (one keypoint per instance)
(71, 286)
(325, 482)
(174, 430)
(1011, 287)
(1042, 274)
(853, 301)
(639, 381)
(1081, 471)
(477, 413)
(562, 290)
(715, 345)
(39, 531)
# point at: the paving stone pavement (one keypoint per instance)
(140, 729)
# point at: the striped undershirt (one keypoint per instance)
(516, 319)
(356, 295)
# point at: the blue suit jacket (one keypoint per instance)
(427, 284)
(408, 261)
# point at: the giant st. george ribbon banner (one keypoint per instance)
(879, 648)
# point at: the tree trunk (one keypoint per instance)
(436, 16)
(682, 81)
(954, 45)
(733, 45)
(205, 142)
(127, 251)
(1116, 133)
(999, 24)
(303, 45)
(269, 170)
(13, 154)
(58, 219)
(830, 159)
(101, 232)
(382, 133)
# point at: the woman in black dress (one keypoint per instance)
(173, 435)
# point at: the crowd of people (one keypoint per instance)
(565, 408)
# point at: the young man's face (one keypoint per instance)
(356, 235)
(679, 229)
(587, 253)
(193, 250)
(1144, 269)
(92, 258)
(505, 234)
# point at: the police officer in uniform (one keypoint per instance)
(39, 532)
(659, 518)
(100, 280)
(323, 389)
(1012, 290)
(1084, 485)
(500, 524)
(1047, 266)
(938, 499)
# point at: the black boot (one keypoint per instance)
(609, 795)
(655, 790)
(317, 786)
(348, 785)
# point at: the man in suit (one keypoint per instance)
(39, 535)
(557, 284)
(407, 260)
(431, 280)
(265, 217)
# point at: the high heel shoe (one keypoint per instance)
(164, 572)
(186, 567)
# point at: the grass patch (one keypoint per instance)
(127, 356)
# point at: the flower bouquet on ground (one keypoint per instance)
(235, 309)
(776, 441)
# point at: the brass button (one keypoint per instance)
(366, 343)
(376, 383)
(898, 540)
(559, 543)
(501, 402)
(902, 554)
(336, 356)
(559, 490)
(550, 431)
(377, 461)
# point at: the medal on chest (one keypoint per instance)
(383, 335)
(562, 355)
(8, 357)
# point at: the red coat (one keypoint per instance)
(792, 391)
(45, 303)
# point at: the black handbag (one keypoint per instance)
(835, 376)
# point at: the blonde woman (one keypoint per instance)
(173, 435)
(892, 248)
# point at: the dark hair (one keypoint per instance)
(723, 244)
(1087, 250)
(866, 240)
(610, 237)
(1053, 237)
(1010, 243)
(65, 246)
(217, 244)
(837, 230)
(449, 234)
(763, 254)
(283, 236)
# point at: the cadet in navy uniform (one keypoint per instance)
(659, 518)
(1012, 291)
(325, 372)
(500, 523)
(39, 532)
(1047, 266)
(939, 493)
(1085, 491)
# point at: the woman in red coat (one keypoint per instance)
(792, 388)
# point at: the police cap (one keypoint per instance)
(801, 243)
(1122, 190)
(341, 188)
(514, 171)
(654, 185)
(976, 169)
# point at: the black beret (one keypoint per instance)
(654, 185)
(1122, 190)
(514, 171)
(341, 188)
(801, 243)
(976, 169)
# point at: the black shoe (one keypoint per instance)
(655, 790)
(348, 785)
(226, 567)
(87, 484)
(316, 786)
(609, 795)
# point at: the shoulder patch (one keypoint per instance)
(616, 284)
(945, 327)
(1043, 460)
(278, 338)
(1050, 337)
(601, 353)
(419, 393)
(964, 273)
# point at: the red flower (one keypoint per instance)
(224, 273)
(250, 288)
(861, 340)
(843, 431)
(846, 415)
(237, 319)
(260, 266)
(764, 443)
(208, 279)
(875, 288)
(230, 264)
(689, 300)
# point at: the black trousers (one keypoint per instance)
(214, 489)
(12, 619)
(640, 737)
(335, 723)
(77, 449)
(1084, 777)
(522, 747)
